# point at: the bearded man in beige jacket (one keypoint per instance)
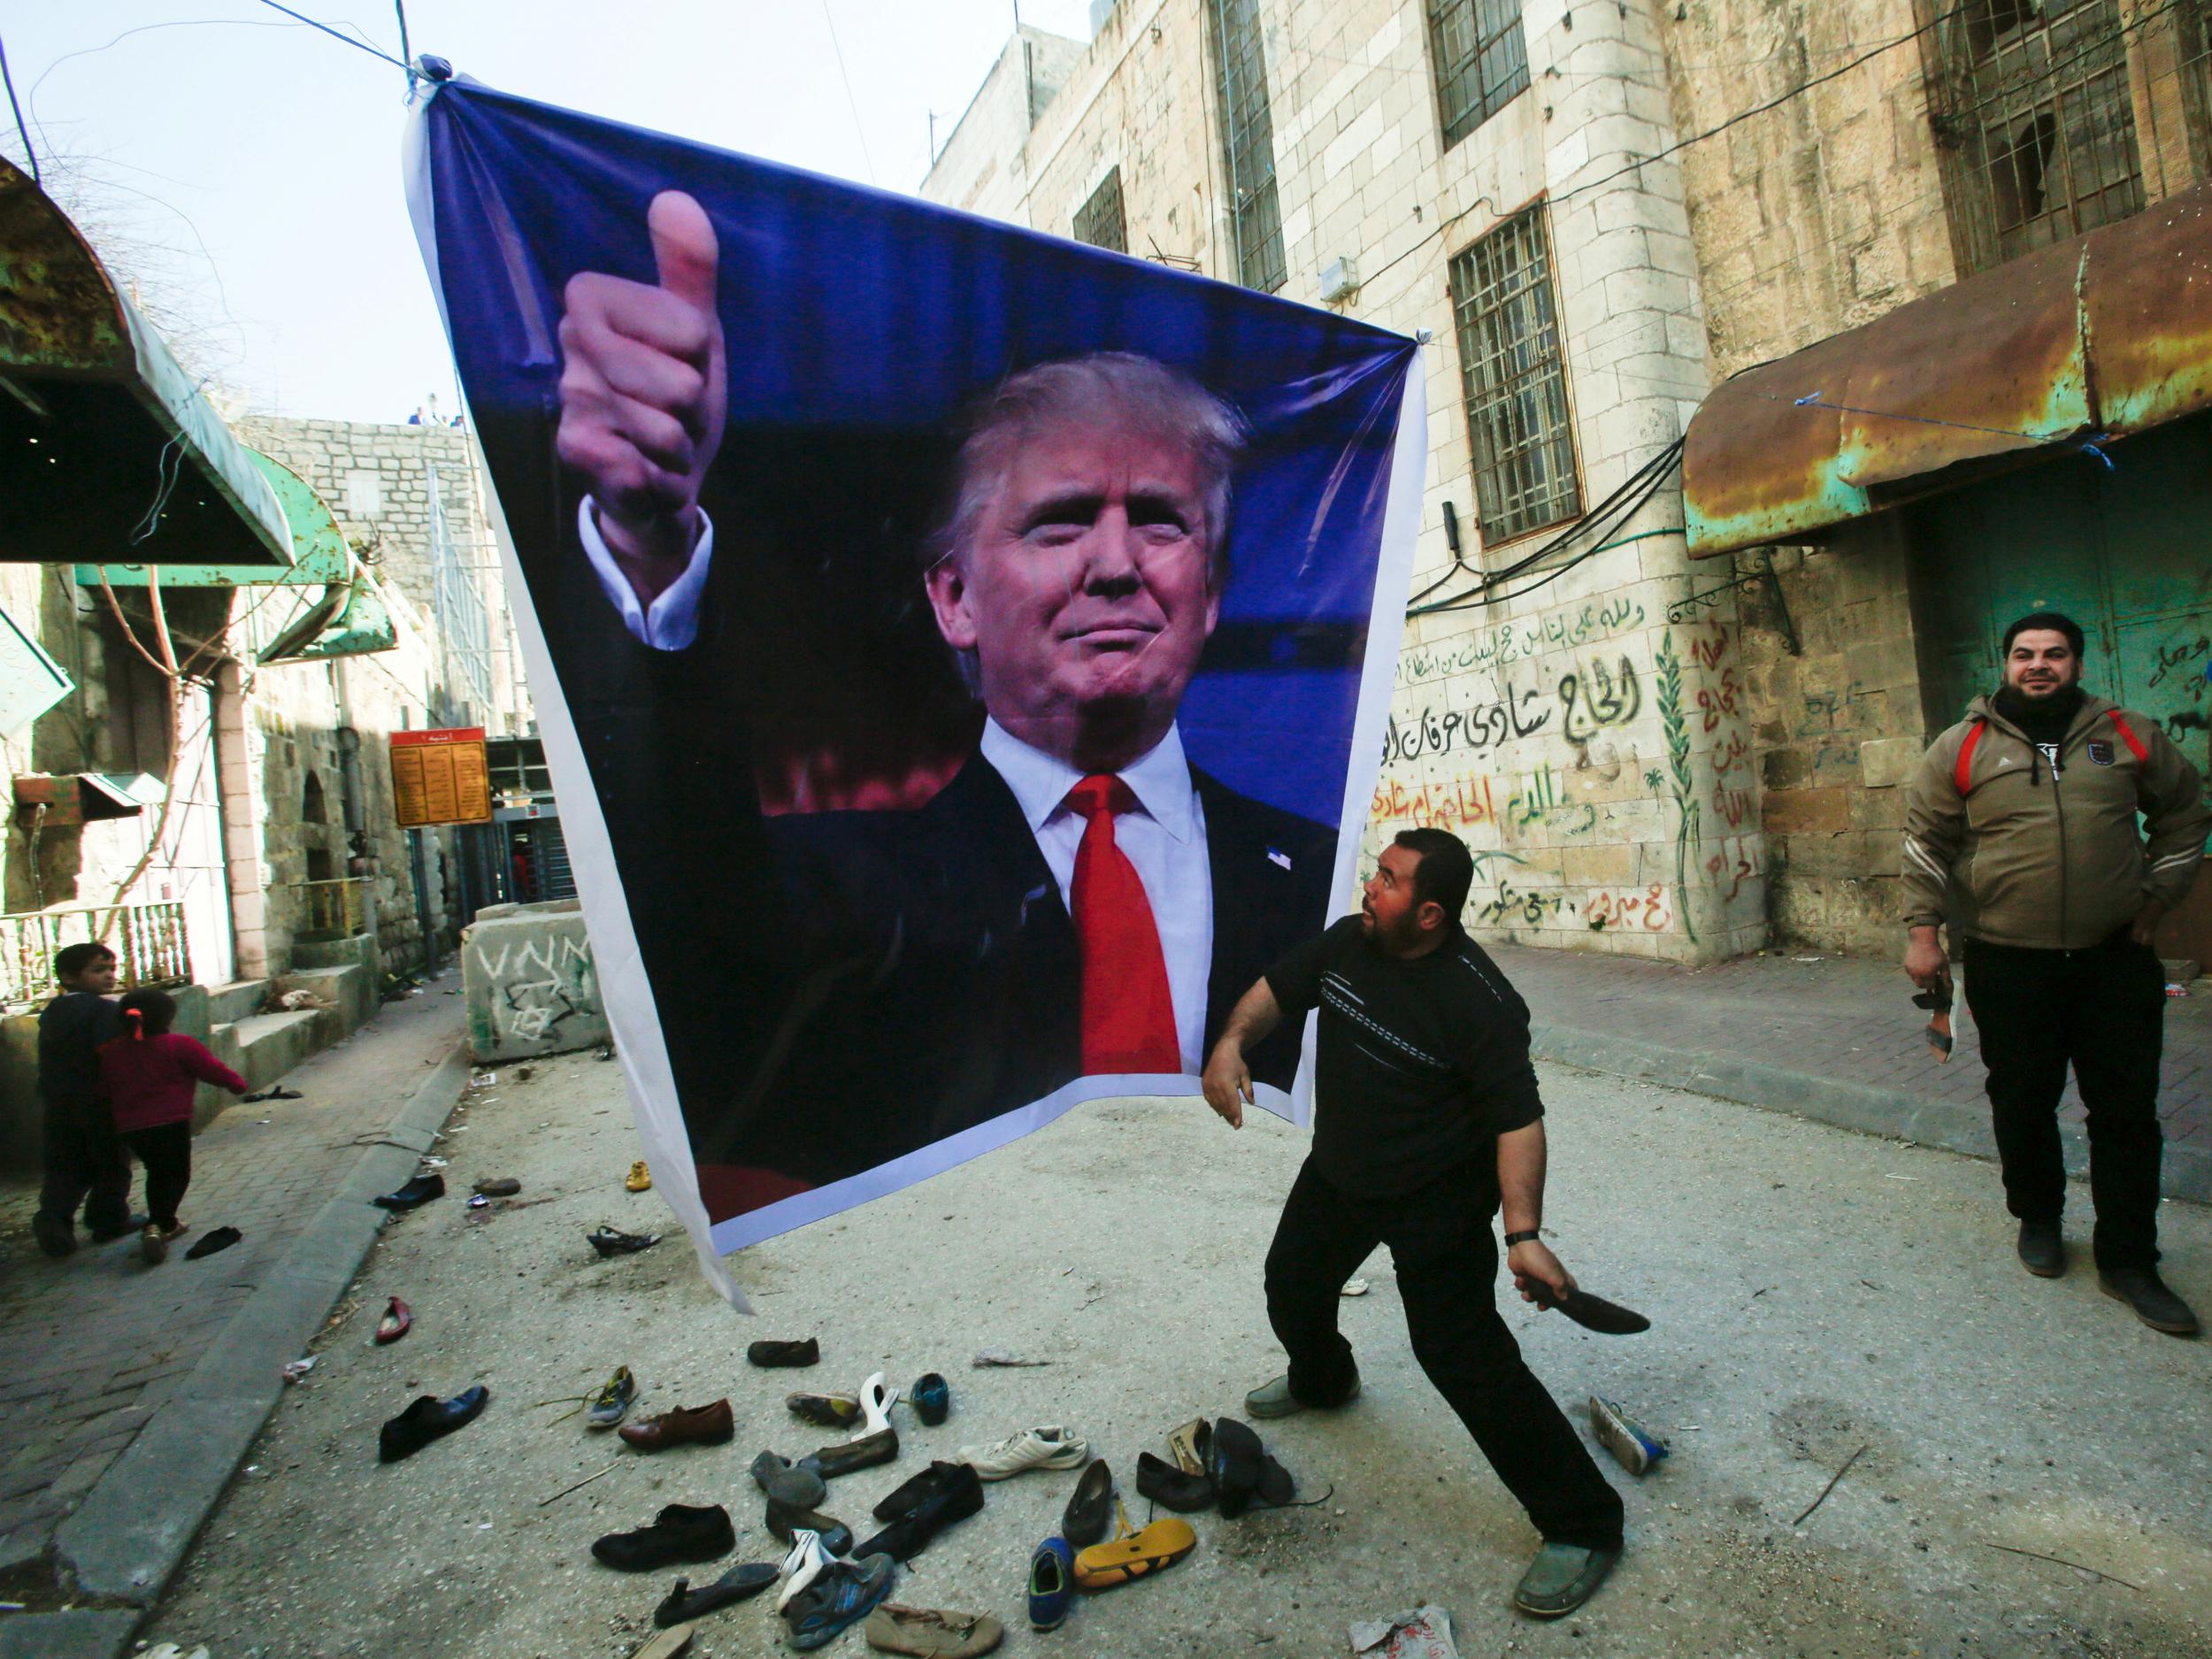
(2020, 830)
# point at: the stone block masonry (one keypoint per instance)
(530, 981)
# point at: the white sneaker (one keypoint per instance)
(807, 1562)
(1032, 1448)
(876, 1402)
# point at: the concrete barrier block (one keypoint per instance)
(530, 983)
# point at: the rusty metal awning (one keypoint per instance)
(2103, 335)
(107, 446)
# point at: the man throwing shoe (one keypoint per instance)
(1427, 1123)
(2022, 824)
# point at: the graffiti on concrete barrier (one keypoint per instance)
(538, 985)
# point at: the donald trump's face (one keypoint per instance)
(1085, 588)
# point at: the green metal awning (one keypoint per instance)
(106, 445)
(2100, 336)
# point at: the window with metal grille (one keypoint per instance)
(2193, 46)
(2033, 108)
(1247, 143)
(1515, 379)
(1099, 221)
(1482, 61)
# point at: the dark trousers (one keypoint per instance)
(1446, 1260)
(85, 1164)
(166, 1152)
(2104, 1011)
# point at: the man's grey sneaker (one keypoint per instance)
(2042, 1251)
(1275, 1399)
(1560, 1578)
(2157, 1307)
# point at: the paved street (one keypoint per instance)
(1828, 1020)
(99, 1344)
(1817, 1294)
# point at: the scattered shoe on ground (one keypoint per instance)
(876, 1400)
(807, 1561)
(498, 1186)
(1051, 1584)
(739, 1584)
(1243, 1474)
(681, 1532)
(787, 1521)
(1090, 1506)
(862, 1451)
(1050, 1448)
(429, 1418)
(808, 1352)
(640, 1180)
(1636, 1446)
(220, 1239)
(1134, 1555)
(613, 1402)
(695, 1425)
(949, 1494)
(932, 1398)
(830, 1411)
(932, 1632)
(607, 1241)
(841, 1596)
(1171, 1488)
(398, 1319)
(1560, 1578)
(419, 1191)
(797, 1485)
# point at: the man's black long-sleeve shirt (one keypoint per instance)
(1422, 1062)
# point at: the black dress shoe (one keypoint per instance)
(1243, 1473)
(2157, 1307)
(864, 1452)
(1090, 1506)
(1171, 1488)
(2042, 1250)
(739, 1584)
(772, 1353)
(609, 1241)
(909, 1492)
(784, 1519)
(956, 1497)
(426, 1420)
(683, 1532)
(421, 1190)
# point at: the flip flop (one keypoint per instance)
(397, 1321)
(1134, 1555)
(926, 1631)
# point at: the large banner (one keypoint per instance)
(962, 654)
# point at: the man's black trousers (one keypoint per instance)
(2103, 1010)
(1447, 1263)
(85, 1164)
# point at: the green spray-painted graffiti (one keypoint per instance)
(1677, 732)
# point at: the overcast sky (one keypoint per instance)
(245, 172)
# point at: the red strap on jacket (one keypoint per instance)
(2135, 744)
(1966, 753)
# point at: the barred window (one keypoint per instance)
(2193, 43)
(1514, 380)
(1247, 143)
(2034, 110)
(1482, 61)
(1099, 221)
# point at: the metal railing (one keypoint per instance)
(148, 940)
(332, 910)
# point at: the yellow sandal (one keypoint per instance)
(1134, 1555)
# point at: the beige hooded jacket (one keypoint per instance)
(2015, 851)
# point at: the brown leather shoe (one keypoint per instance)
(705, 1425)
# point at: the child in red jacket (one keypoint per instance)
(149, 1074)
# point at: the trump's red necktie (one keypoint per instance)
(1128, 1017)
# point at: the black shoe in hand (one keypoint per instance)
(421, 1190)
(680, 1533)
(426, 1420)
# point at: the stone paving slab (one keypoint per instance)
(1833, 1038)
(107, 1353)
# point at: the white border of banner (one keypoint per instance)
(622, 979)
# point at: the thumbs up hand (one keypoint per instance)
(643, 394)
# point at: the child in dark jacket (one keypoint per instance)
(85, 1163)
(149, 1074)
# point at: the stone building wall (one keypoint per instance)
(1807, 220)
(1587, 736)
